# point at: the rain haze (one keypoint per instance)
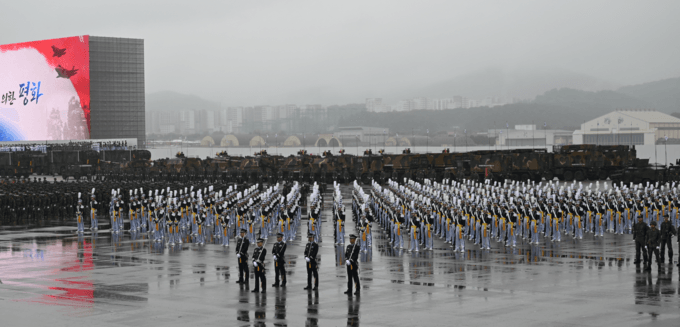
(311, 163)
(275, 52)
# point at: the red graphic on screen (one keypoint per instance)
(70, 58)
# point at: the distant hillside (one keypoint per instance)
(173, 101)
(474, 119)
(662, 95)
(588, 105)
(559, 109)
(501, 83)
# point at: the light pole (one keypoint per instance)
(465, 133)
(545, 135)
(665, 155)
(427, 140)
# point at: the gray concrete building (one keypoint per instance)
(117, 102)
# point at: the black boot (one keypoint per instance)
(255, 291)
(264, 290)
(284, 283)
(348, 292)
(275, 285)
(308, 287)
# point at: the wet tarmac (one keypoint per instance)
(50, 276)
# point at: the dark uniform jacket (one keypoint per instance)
(640, 232)
(242, 247)
(279, 250)
(653, 237)
(311, 249)
(352, 253)
(667, 230)
(259, 255)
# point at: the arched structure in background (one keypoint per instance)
(257, 141)
(391, 141)
(334, 142)
(292, 141)
(229, 140)
(328, 140)
(207, 141)
(404, 141)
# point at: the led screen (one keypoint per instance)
(45, 90)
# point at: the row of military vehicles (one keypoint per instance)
(567, 163)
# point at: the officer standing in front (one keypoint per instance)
(667, 232)
(279, 252)
(653, 239)
(640, 229)
(352, 261)
(259, 255)
(242, 254)
(311, 250)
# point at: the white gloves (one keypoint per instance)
(658, 248)
(307, 259)
(645, 247)
(347, 262)
(255, 264)
(238, 255)
(274, 257)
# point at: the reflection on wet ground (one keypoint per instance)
(106, 279)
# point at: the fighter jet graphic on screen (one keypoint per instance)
(58, 52)
(65, 73)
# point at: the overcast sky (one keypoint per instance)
(268, 52)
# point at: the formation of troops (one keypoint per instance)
(505, 212)
(410, 213)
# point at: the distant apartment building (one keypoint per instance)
(374, 104)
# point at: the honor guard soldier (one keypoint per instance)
(259, 255)
(352, 261)
(653, 240)
(640, 236)
(242, 254)
(93, 213)
(667, 232)
(311, 249)
(278, 255)
(79, 212)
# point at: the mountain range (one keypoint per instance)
(561, 108)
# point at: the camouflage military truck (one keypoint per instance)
(78, 172)
(486, 164)
(641, 173)
(614, 157)
(368, 168)
(588, 161)
(296, 168)
(530, 164)
(60, 160)
(182, 165)
(23, 163)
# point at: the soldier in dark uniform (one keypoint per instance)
(352, 261)
(640, 236)
(242, 254)
(279, 252)
(311, 250)
(259, 255)
(667, 232)
(653, 240)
